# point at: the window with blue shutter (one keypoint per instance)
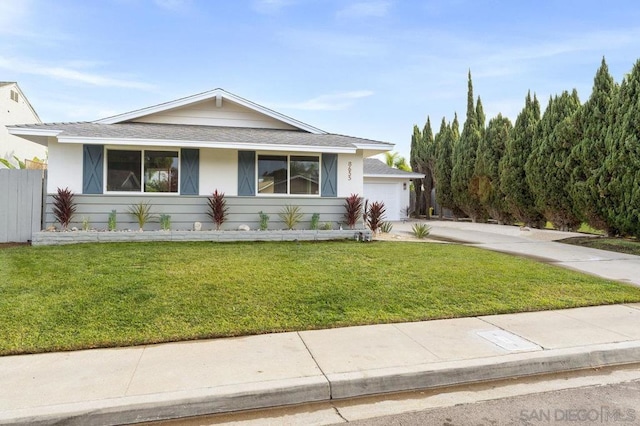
(92, 169)
(246, 173)
(189, 171)
(329, 175)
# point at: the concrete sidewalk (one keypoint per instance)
(125, 385)
(538, 244)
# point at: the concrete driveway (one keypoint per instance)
(535, 243)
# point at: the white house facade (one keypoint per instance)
(174, 155)
(16, 109)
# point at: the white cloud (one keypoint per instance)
(69, 74)
(366, 9)
(330, 102)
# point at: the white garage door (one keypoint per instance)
(389, 194)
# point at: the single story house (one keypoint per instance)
(174, 155)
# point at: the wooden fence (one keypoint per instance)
(20, 204)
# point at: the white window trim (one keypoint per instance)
(141, 150)
(289, 155)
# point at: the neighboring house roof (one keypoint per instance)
(218, 95)
(197, 136)
(376, 168)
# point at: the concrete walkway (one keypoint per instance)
(126, 385)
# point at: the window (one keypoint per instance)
(282, 174)
(14, 96)
(125, 171)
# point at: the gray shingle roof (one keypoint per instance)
(373, 166)
(178, 132)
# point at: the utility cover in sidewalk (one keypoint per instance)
(508, 341)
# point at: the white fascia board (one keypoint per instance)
(204, 144)
(407, 176)
(382, 146)
(212, 94)
(26, 131)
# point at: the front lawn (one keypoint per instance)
(96, 295)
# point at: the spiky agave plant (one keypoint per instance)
(64, 207)
(353, 209)
(217, 208)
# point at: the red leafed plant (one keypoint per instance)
(375, 216)
(64, 207)
(353, 208)
(217, 208)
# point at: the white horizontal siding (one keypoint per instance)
(185, 210)
(206, 113)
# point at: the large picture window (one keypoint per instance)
(126, 171)
(282, 174)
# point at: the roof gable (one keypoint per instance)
(214, 108)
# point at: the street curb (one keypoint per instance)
(452, 373)
(320, 388)
(173, 405)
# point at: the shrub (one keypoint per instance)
(375, 216)
(111, 224)
(353, 209)
(315, 220)
(327, 226)
(141, 212)
(420, 230)
(290, 215)
(264, 221)
(218, 208)
(386, 227)
(64, 207)
(85, 223)
(165, 222)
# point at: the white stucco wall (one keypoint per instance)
(64, 167)
(350, 170)
(12, 112)
(218, 169)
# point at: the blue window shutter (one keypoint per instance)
(329, 175)
(92, 169)
(189, 171)
(246, 173)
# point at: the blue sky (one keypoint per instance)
(362, 68)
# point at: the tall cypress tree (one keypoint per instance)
(620, 175)
(428, 161)
(490, 151)
(464, 159)
(518, 196)
(588, 156)
(415, 160)
(444, 148)
(548, 171)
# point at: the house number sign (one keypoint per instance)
(349, 169)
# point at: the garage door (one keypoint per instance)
(389, 194)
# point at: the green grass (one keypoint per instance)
(100, 295)
(620, 245)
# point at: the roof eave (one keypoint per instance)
(203, 144)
